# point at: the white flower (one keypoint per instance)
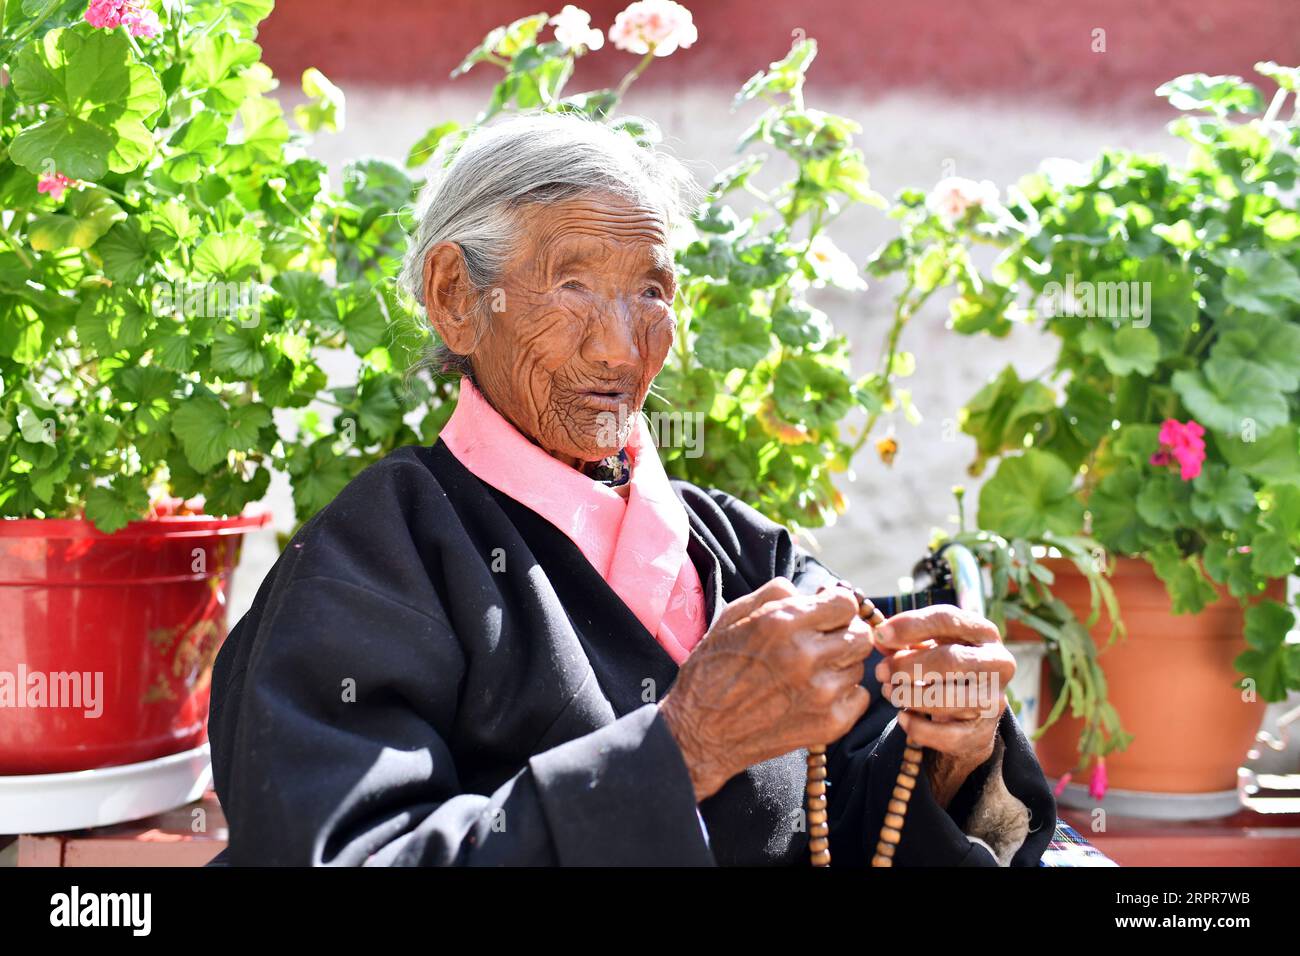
(658, 25)
(573, 29)
(833, 265)
(953, 197)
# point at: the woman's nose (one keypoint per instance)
(611, 339)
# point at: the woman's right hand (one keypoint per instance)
(779, 670)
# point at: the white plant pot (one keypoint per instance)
(1026, 686)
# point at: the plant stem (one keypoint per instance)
(633, 74)
(16, 246)
(32, 25)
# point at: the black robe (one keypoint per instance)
(434, 674)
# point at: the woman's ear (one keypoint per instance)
(449, 298)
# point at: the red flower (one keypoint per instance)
(1182, 443)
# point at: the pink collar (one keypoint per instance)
(637, 544)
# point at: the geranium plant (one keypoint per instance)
(1166, 424)
(176, 270)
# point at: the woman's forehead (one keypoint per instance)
(593, 225)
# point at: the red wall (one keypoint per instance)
(956, 47)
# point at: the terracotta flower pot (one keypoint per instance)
(1172, 682)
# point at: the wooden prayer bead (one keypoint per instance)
(816, 788)
(893, 820)
(881, 860)
(897, 806)
(816, 818)
(890, 834)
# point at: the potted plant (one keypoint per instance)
(1167, 423)
(173, 269)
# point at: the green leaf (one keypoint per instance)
(427, 144)
(1267, 341)
(110, 320)
(1117, 521)
(99, 100)
(1124, 352)
(1270, 662)
(1030, 495)
(799, 325)
(238, 351)
(87, 215)
(113, 508)
(1272, 555)
(1165, 502)
(1187, 585)
(732, 337)
(1003, 412)
(228, 255)
(1229, 393)
(1223, 495)
(260, 137)
(1259, 281)
(126, 252)
(1287, 77)
(1218, 94)
(325, 109)
(363, 320)
(208, 431)
(35, 429)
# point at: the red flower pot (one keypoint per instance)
(107, 641)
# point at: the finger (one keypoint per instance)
(830, 609)
(848, 710)
(846, 647)
(992, 664)
(943, 623)
(775, 590)
(987, 665)
(959, 738)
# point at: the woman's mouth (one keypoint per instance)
(607, 399)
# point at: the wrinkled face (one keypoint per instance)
(581, 325)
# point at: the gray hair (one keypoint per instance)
(474, 199)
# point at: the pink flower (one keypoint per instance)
(954, 196)
(1097, 786)
(105, 14)
(658, 26)
(133, 14)
(573, 29)
(1062, 783)
(1182, 443)
(54, 184)
(142, 22)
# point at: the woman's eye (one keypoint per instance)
(653, 292)
(572, 284)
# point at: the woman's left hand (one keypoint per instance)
(946, 670)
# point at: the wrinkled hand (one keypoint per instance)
(949, 669)
(779, 670)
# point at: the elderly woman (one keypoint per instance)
(526, 645)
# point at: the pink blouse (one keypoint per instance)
(636, 543)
